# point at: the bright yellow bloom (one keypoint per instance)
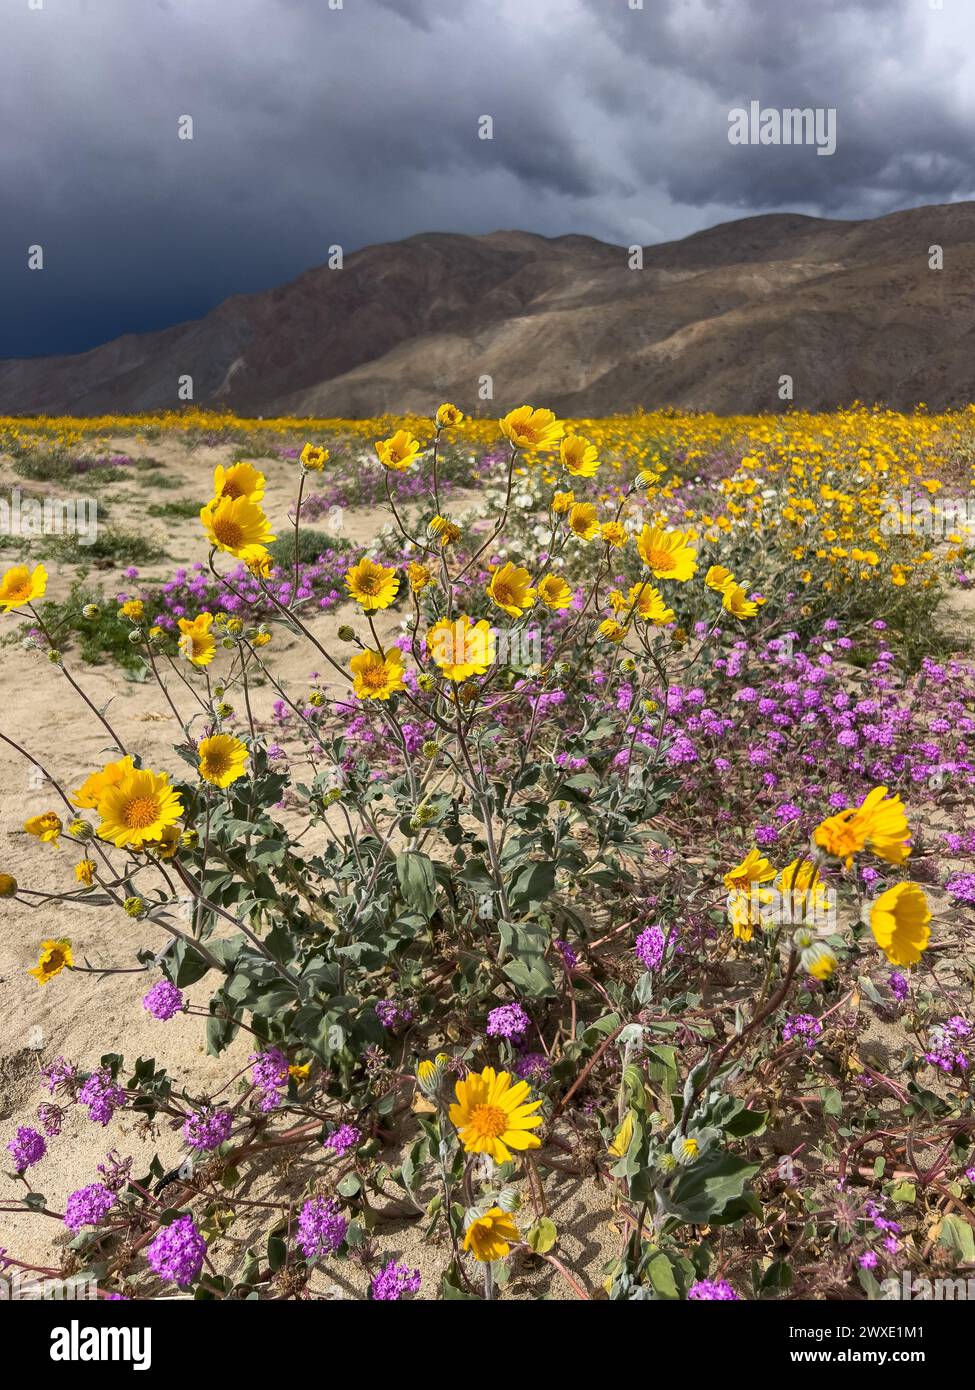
(510, 590)
(133, 609)
(879, 821)
(236, 525)
(579, 457)
(239, 480)
(444, 530)
(613, 533)
(648, 601)
(375, 676)
(136, 810)
(736, 601)
(527, 428)
(84, 872)
(300, 1071)
(223, 759)
(562, 501)
(95, 785)
(260, 562)
(46, 827)
(491, 1236)
(461, 648)
(667, 554)
(754, 868)
(374, 586)
(555, 593)
(448, 415)
(398, 451)
(419, 576)
(169, 842)
(621, 1139)
(197, 643)
(899, 922)
(717, 577)
(55, 956)
(584, 521)
(612, 630)
(491, 1115)
(21, 585)
(314, 458)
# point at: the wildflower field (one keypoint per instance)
(497, 858)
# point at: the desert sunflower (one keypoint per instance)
(419, 576)
(878, 822)
(667, 554)
(236, 525)
(46, 827)
(373, 586)
(754, 868)
(137, 809)
(555, 593)
(491, 1115)
(644, 600)
(717, 577)
(448, 415)
(398, 451)
(584, 520)
(239, 480)
(461, 648)
(84, 872)
(96, 784)
(528, 428)
(223, 759)
(314, 458)
(899, 921)
(735, 601)
(491, 1236)
(377, 675)
(55, 956)
(197, 643)
(579, 457)
(21, 585)
(510, 589)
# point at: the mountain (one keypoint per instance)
(849, 310)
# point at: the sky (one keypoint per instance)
(349, 122)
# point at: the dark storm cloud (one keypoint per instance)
(315, 125)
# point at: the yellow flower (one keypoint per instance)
(527, 428)
(510, 590)
(399, 451)
(84, 872)
(236, 525)
(613, 533)
(223, 759)
(46, 827)
(197, 643)
(461, 648)
(419, 576)
(448, 415)
(879, 821)
(562, 501)
(21, 585)
(491, 1236)
(491, 1115)
(8, 885)
(170, 842)
(95, 785)
(375, 676)
(648, 602)
(444, 530)
(314, 458)
(745, 910)
(584, 520)
(736, 601)
(239, 480)
(754, 868)
(372, 585)
(133, 609)
(899, 922)
(579, 457)
(300, 1071)
(611, 630)
(55, 956)
(667, 554)
(622, 1137)
(555, 593)
(260, 562)
(137, 809)
(717, 577)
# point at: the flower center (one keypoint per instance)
(141, 812)
(375, 677)
(228, 532)
(488, 1121)
(661, 560)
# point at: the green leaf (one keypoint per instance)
(660, 1272)
(710, 1187)
(957, 1236)
(542, 1236)
(417, 881)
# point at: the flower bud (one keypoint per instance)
(346, 633)
(80, 829)
(134, 907)
(91, 611)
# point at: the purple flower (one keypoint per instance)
(102, 1097)
(569, 956)
(393, 1281)
(390, 1013)
(163, 1001)
(709, 1289)
(344, 1138)
(804, 1026)
(533, 1066)
(28, 1148)
(508, 1021)
(321, 1228)
(269, 1073)
(88, 1206)
(177, 1252)
(898, 986)
(208, 1129)
(868, 1260)
(650, 947)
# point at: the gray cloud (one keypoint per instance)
(315, 126)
